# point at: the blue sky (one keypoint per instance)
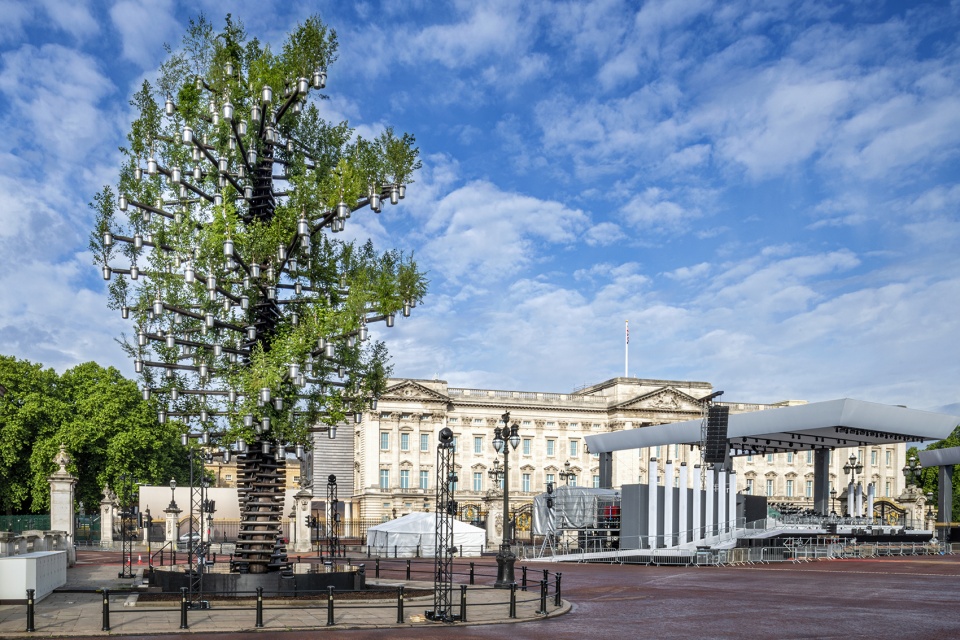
(768, 191)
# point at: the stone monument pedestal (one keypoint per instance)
(62, 516)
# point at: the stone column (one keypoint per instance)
(697, 520)
(722, 501)
(858, 500)
(495, 513)
(170, 530)
(62, 517)
(107, 508)
(301, 509)
(652, 504)
(668, 531)
(871, 496)
(682, 521)
(710, 495)
(732, 496)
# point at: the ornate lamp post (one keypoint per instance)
(833, 498)
(912, 471)
(173, 489)
(566, 475)
(496, 473)
(503, 440)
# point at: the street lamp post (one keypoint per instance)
(566, 475)
(496, 473)
(833, 498)
(503, 440)
(912, 471)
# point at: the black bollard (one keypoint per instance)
(471, 573)
(523, 586)
(408, 568)
(543, 598)
(259, 607)
(463, 603)
(400, 604)
(183, 608)
(556, 600)
(106, 610)
(329, 606)
(376, 573)
(30, 594)
(513, 599)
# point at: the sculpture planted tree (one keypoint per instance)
(220, 245)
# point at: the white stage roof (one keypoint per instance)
(835, 423)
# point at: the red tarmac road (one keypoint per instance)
(916, 598)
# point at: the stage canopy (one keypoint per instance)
(819, 425)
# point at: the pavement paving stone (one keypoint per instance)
(76, 609)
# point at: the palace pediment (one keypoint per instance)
(411, 390)
(663, 399)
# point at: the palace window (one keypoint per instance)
(477, 481)
(750, 486)
(404, 442)
(789, 457)
(573, 481)
(526, 446)
(384, 478)
(424, 479)
(770, 458)
(404, 478)
(889, 456)
(550, 479)
(424, 442)
(808, 491)
(478, 444)
(789, 488)
(596, 481)
(551, 447)
(873, 457)
(574, 449)
(384, 440)
(525, 482)
(769, 488)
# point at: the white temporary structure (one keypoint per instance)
(415, 533)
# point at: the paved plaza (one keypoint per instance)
(915, 597)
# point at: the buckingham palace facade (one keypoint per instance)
(392, 449)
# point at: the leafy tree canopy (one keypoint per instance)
(101, 418)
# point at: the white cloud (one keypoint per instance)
(144, 28)
(72, 16)
(479, 232)
(652, 211)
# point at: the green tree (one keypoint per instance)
(101, 418)
(251, 316)
(28, 408)
(930, 477)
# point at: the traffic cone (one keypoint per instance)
(139, 559)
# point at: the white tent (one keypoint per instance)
(405, 535)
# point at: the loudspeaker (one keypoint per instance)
(715, 447)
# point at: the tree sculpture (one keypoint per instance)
(251, 315)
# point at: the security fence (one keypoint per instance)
(19, 524)
(766, 555)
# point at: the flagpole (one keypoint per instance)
(626, 350)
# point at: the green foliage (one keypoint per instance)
(930, 478)
(100, 417)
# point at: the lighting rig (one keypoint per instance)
(251, 318)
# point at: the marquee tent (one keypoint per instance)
(405, 535)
